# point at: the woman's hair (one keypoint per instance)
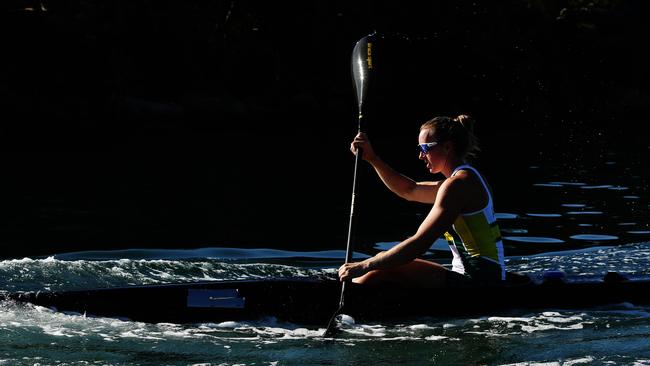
(459, 130)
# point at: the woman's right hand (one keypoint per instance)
(362, 142)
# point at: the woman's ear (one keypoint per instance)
(447, 145)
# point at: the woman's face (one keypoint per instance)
(435, 156)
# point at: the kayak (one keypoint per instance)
(314, 300)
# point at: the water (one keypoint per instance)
(583, 217)
(616, 334)
(584, 227)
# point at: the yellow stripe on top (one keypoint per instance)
(478, 235)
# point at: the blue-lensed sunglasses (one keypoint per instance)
(426, 147)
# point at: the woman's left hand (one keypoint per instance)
(352, 270)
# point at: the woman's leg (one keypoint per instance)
(418, 273)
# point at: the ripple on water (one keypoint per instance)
(569, 183)
(618, 188)
(593, 237)
(543, 215)
(506, 216)
(514, 231)
(603, 186)
(534, 239)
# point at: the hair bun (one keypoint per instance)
(466, 121)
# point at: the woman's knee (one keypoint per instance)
(418, 273)
(372, 278)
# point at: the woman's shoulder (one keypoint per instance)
(455, 183)
(464, 180)
(468, 186)
(468, 172)
(461, 176)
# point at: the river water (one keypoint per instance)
(585, 216)
(29, 335)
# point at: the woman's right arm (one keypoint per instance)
(398, 183)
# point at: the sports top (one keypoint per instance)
(477, 234)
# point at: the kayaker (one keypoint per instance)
(462, 211)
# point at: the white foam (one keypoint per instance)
(509, 319)
(228, 324)
(375, 331)
(346, 319)
(435, 338)
(421, 327)
(570, 362)
(563, 320)
(545, 327)
(578, 361)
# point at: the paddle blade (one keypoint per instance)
(338, 322)
(362, 66)
(332, 326)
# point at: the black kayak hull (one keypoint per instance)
(313, 301)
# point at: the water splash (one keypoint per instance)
(54, 274)
(592, 261)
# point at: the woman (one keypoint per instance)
(462, 200)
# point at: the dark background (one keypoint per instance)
(227, 123)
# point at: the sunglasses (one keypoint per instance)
(426, 147)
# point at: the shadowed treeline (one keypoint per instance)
(226, 123)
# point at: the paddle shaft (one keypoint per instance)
(350, 244)
(330, 331)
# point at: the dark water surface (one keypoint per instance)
(192, 191)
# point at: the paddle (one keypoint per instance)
(361, 68)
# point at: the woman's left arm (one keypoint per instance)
(444, 212)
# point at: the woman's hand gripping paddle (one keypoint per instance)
(362, 67)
